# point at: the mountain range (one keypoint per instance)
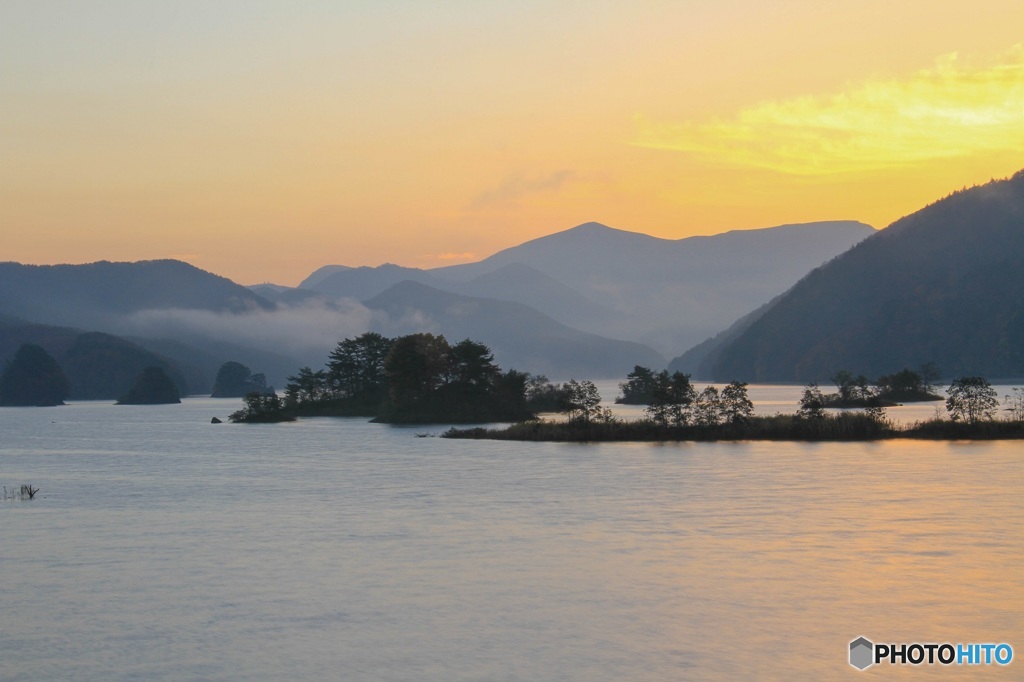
(943, 285)
(788, 303)
(588, 301)
(664, 293)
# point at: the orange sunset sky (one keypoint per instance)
(261, 140)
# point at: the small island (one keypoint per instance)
(33, 379)
(151, 387)
(422, 379)
(414, 379)
(678, 413)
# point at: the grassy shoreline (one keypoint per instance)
(840, 427)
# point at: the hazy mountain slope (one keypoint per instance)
(513, 282)
(364, 282)
(520, 337)
(671, 294)
(287, 295)
(529, 286)
(98, 366)
(208, 355)
(320, 274)
(945, 284)
(699, 361)
(666, 293)
(91, 295)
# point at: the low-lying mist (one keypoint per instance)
(302, 331)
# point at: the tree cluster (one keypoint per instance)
(419, 378)
(971, 400)
(672, 400)
(905, 386)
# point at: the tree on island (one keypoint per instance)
(908, 386)
(671, 399)
(261, 408)
(639, 387)
(419, 378)
(544, 396)
(812, 403)
(235, 380)
(584, 402)
(971, 399)
(355, 369)
(736, 404)
(33, 379)
(430, 380)
(853, 390)
(707, 408)
(152, 387)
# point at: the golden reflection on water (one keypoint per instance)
(164, 548)
(909, 541)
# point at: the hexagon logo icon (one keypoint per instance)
(862, 653)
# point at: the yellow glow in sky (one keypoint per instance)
(951, 111)
(261, 140)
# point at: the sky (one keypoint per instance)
(261, 140)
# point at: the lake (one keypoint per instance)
(163, 547)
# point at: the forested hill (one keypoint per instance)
(943, 285)
(83, 295)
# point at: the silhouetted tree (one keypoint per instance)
(471, 369)
(356, 368)
(671, 399)
(416, 365)
(544, 396)
(584, 402)
(812, 403)
(639, 387)
(261, 408)
(33, 378)
(736, 403)
(508, 395)
(971, 399)
(306, 387)
(707, 408)
(907, 385)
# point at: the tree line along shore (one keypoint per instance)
(424, 379)
(421, 378)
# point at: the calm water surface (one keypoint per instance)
(162, 547)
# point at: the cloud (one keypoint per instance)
(953, 110)
(294, 330)
(517, 186)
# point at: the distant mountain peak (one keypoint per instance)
(592, 226)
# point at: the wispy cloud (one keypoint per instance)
(954, 109)
(518, 186)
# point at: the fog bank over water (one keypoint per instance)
(299, 330)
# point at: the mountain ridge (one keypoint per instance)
(668, 294)
(944, 284)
